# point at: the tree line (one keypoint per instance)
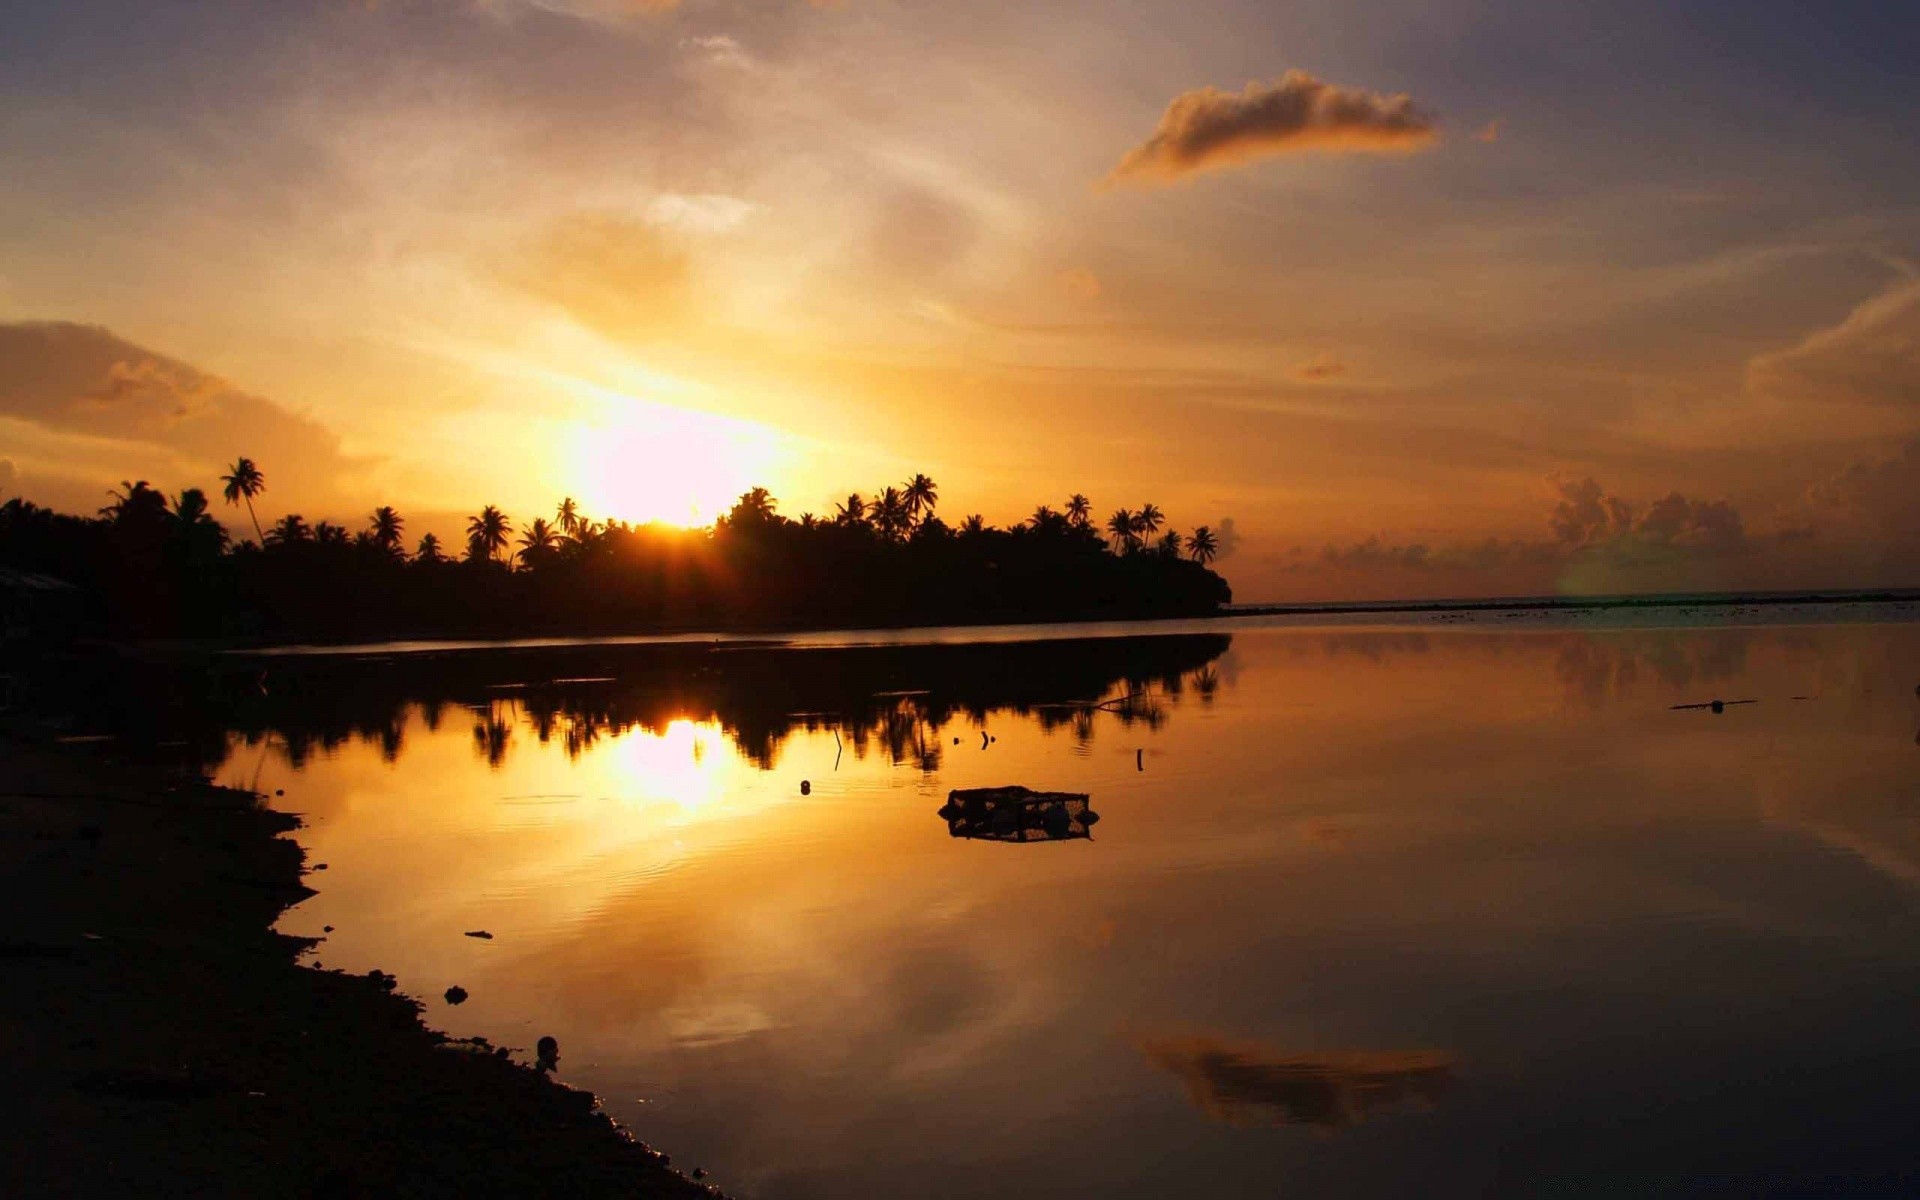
(149, 564)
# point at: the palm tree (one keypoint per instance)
(537, 541)
(138, 502)
(921, 495)
(195, 523)
(890, 514)
(569, 517)
(1170, 544)
(429, 551)
(1123, 527)
(853, 512)
(974, 525)
(289, 530)
(1148, 520)
(1201, 547)
(487, 533)
(1045, 520)
(1079, 510)
(244, 481)
(752, 508)
(326, 533)
(385, 526)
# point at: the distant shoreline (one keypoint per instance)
(1497, 604)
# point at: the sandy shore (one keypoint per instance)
(161, 1040)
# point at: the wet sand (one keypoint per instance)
(161, 1039)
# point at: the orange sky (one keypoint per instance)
(1385, 289)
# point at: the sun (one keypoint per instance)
(660, 462)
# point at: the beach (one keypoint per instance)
(165, 1041)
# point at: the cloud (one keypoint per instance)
(1207, 128)
(9, 475)
(1247, 1084)
(1588, 517)
(1873, 500)
(718, 49)
(1081, 284)
(623, 277)
(87, 408)
(1226, 536)
(1871, 358)
(1321, 366)
(705, 213)
(1490, 132)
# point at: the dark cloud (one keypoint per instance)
(1208, 128)
(1875, 500)
(91, 408)
(1226, 536)
(1247, 1084)
(1588, 517)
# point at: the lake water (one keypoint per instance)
(1455, 906)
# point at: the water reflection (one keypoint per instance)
(1249, 1084)
(1500, 846)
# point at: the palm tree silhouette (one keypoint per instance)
(385, 526)
(487, 533)
(194, 521)
(429, 551)
(853, 512)
(244, 481)
(326, 533)
(921, 495)
(1202, 547)
(1123, 527)
(890, 514)
(1170, 543)
(568, 515)
(1079, 510)
(753, 507)
(289, 530)
(975, 524)
(1148, 520)
(536, 541)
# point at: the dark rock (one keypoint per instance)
(456, 995)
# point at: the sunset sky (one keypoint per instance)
(1445, 297)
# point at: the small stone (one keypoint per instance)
(326, 929)
(456, 995)
(1719, 706)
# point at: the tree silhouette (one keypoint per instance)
(290, 530)
(386, 525)
(537, 542)
(890, 515)
(199, 533)
(429, 551)
(974, 525)
(1202, 547)
(921, 495)
(568, 514)
(243, 481)
(326, 533)
(851, 513)
(137, 504)
(1170, 543)
(1148, 520)
(487, 533)
(755, 507)
(1079, 510)
(1123, 527)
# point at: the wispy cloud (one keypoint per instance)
(1207, 128)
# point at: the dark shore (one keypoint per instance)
(164, 1041)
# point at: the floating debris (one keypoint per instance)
(481, 934)
(1017, 814)
(456, 994)
(806, 787)
(1715, 705)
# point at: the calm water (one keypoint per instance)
(1441, 908)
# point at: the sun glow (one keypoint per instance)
(658, 462)
(684, 765)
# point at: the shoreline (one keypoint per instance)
(169, 1041)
